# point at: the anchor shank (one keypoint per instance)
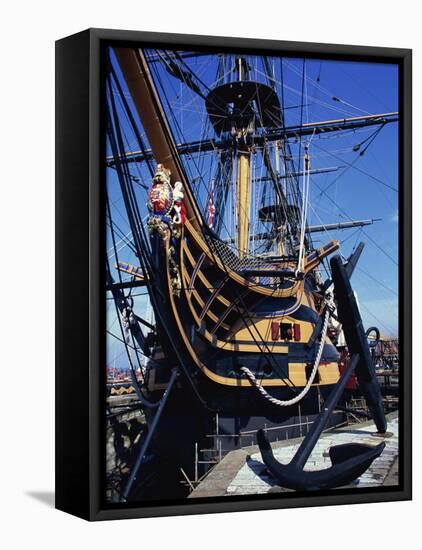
(356, 339)
(312, 436)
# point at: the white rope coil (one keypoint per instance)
(309, 383)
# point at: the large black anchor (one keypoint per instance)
(350, 460)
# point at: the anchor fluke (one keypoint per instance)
(349, 462)
(341, 453)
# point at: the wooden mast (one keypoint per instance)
(243, 181)
(139, 81)
(244, 201)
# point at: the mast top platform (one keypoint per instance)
(243, 105)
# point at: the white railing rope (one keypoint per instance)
(250, 376)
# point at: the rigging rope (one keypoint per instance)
(287, 403)
(305, 202)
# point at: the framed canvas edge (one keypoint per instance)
(404, 58)
(311, 48)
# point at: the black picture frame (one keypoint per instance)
(80, 307)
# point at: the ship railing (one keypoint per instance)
(306, 424)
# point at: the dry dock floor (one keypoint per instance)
(242, 472)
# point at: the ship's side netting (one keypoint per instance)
(231, 260)
(229, 257)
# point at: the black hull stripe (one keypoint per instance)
(195, 271)
(212, 297)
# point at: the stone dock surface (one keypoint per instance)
(242, 472)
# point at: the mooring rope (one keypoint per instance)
(309, 383)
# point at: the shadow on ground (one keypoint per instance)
(45, 497)
(260, 470)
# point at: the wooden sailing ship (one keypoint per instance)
(240, 340)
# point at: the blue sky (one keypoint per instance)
(333, 90)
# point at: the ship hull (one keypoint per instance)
(213, 408)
